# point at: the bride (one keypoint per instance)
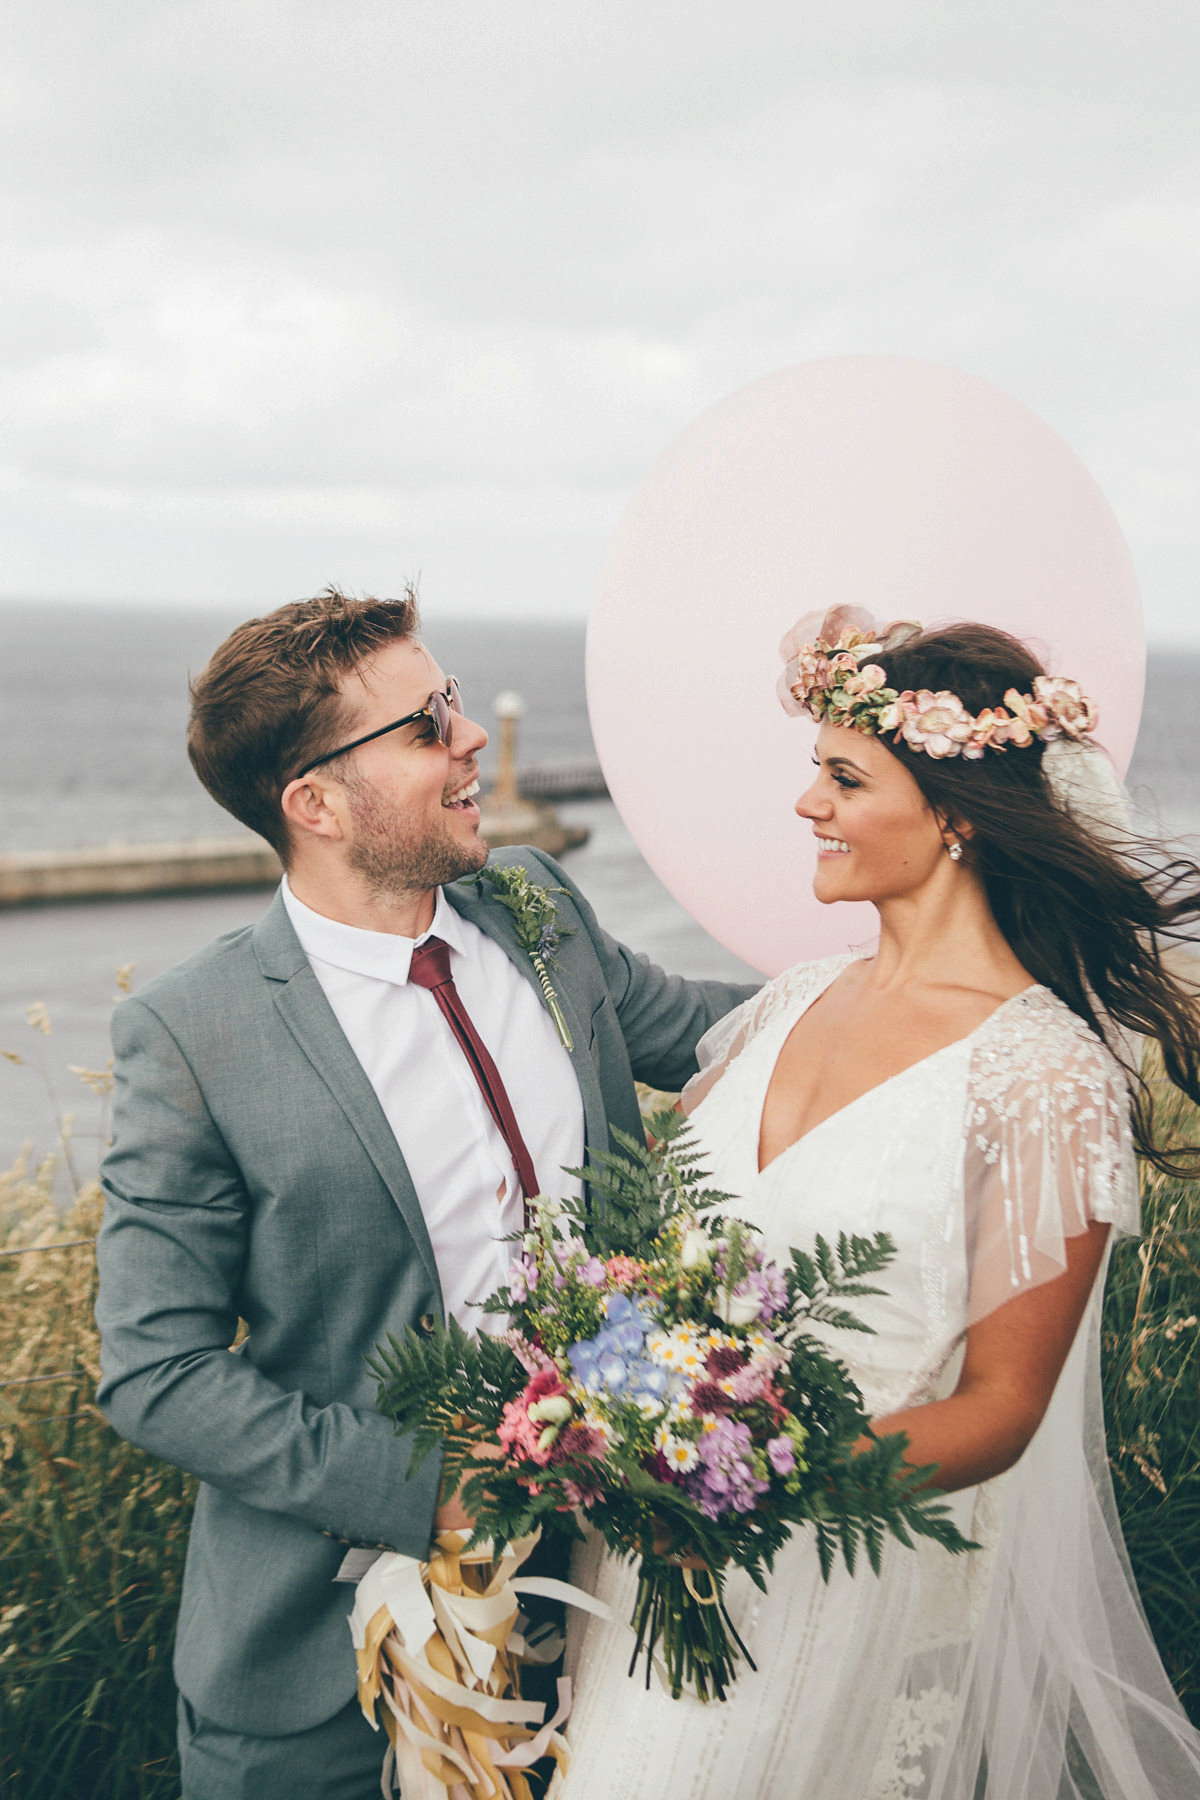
(970, 1088)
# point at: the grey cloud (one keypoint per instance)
(293, 285)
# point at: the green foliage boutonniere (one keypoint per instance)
(535, 916)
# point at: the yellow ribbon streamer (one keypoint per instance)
(447, 1670)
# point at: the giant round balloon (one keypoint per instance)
(910, 489)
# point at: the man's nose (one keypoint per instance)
(466, 737)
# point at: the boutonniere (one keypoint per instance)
(535, 916)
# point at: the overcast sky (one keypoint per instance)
(367, 289)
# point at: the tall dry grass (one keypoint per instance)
(1150, 1347)
(92, 1532)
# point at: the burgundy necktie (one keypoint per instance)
(430, 968)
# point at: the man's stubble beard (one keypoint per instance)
(393, 859)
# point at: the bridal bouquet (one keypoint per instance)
(659, 1381)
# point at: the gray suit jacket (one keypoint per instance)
(253, 1175)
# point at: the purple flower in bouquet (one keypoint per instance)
(522, 1278)
(593, 1272)
(725, 1479)
(767, 1285)
(782, 1453)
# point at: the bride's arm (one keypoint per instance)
(1013, 1358)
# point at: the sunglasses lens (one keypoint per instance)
(439, 715)
(455, 694)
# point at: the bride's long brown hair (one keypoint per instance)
(1089, 918)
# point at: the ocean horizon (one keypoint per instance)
(91, 731)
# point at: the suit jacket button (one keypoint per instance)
(427, 1323)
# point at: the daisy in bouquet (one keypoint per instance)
(658, 1380)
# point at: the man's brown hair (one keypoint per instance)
(269, 700)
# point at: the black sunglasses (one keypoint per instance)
(439, 709)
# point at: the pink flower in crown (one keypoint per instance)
(836, 628)
(806, 675)
(1029, 719)
(939, 724)
(868, 680)
(892, 717)
(812, 671)
(1068, 708)
(857, 644)
(991, 730)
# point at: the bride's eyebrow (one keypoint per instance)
(844, 762)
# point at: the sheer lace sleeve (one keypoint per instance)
(795, 988)
(1048, 1147)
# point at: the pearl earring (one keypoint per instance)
(955, 849)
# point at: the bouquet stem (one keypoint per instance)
(700, 1644)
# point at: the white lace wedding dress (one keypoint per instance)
(1003, 1672)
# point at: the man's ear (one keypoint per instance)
(314, 808)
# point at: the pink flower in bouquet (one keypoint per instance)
(753, 1383)
(623, 1271)
(707, 1397)
(531, 1356)
(518, 1434)
(593, 1272)
(523, 1437)
(580, 1440)
(522, 1278)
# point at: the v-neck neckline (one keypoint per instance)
(955, 1044)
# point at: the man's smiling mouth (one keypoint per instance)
(462, 797)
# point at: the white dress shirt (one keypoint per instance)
(460, 1165)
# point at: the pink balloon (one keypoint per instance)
(910, 489)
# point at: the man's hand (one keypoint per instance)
(451, 1515)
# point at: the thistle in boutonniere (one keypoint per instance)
(535, 916)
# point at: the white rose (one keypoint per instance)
(738, 1309)
(695, 1252)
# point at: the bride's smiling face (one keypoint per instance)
(877, 837)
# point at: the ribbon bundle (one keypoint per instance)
(438, 1643)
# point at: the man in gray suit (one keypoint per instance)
(324, 1124)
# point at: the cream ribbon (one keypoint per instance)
(437, 1642)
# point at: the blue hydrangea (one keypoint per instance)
(614, 1363)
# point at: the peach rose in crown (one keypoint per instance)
(1067, 707)
(1029, 719)
(866, 681)
(938, 724)
(991, 730)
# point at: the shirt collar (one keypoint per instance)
(381, 955)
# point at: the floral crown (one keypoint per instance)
(830, 676)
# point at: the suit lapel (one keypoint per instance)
(492, 917)
(309, 1017)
